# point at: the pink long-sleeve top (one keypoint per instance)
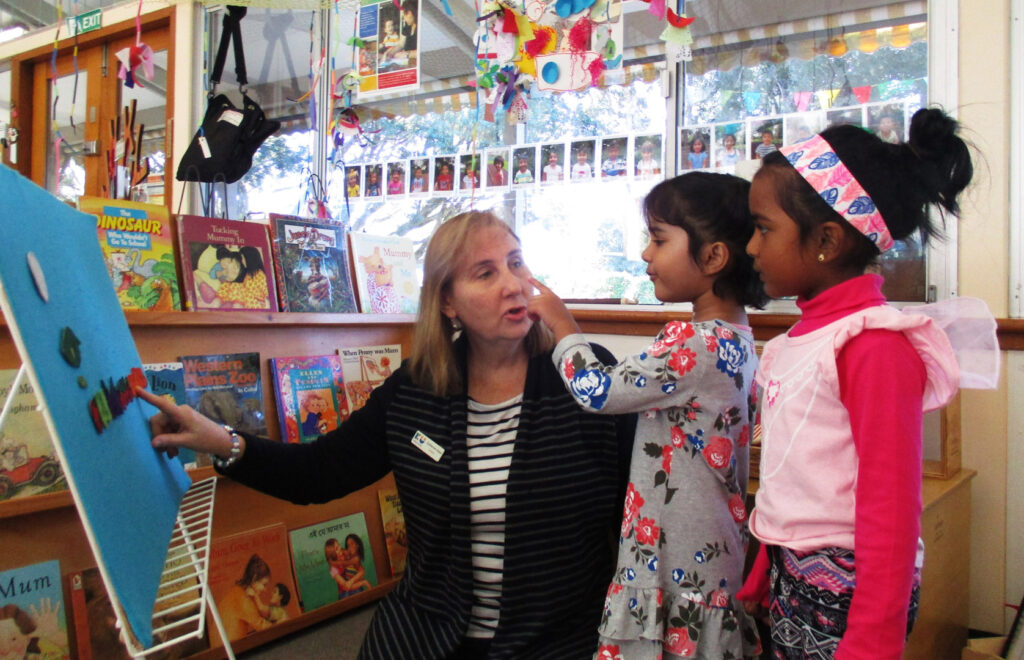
(841, 465)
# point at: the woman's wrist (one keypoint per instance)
(232, 452)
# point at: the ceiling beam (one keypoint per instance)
(462, 15)
(34, 13)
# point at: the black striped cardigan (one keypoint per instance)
(565, 489)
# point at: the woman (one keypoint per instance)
(485, 410)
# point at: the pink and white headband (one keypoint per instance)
(818, 164)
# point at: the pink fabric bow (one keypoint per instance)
(131, 58)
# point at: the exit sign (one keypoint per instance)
(86, 22)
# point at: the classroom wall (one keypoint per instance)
(984, 264)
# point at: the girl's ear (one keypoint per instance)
(714, 257)
(831, 240)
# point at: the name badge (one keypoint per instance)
(427, 446)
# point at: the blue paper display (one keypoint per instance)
(127, 494)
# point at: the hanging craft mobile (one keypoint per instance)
(135, 57)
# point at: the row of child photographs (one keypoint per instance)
(639, 156)
(723, 145)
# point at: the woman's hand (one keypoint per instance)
(180, 426)
(549, 309)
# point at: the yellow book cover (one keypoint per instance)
(138, 247)
(394, 529)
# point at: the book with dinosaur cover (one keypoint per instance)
(332, 560)
(28, 461)
(227, 388)
(312, 266)
(226, 264)
(310, 395)
(138, 246)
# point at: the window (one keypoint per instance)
(760, 87)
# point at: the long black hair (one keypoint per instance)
(904, 180)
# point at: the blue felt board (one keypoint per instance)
(127, 493)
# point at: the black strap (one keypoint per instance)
(231, 31)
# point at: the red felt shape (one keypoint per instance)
(509, 24)
(675, 20)
(537, 45)
(579, 35)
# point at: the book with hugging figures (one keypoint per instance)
(332, 560)
(251, 581)
(310, 395)
(226, 264)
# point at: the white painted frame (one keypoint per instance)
(1016, 302)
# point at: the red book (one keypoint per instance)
(226, 264)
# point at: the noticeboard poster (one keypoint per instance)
(389, 55)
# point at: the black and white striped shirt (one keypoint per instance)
(490, 439)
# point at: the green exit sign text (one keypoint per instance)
(87, 22)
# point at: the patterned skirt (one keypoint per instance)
(810, 599)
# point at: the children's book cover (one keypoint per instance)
(138, 246)
(311, 264)
(251, 581)
(226, 264)
(227, 388)
(167, 379)
(394, 529)
(387, 278)
(310, 394)
(32, 623)
(28, 461)
(96, 636)
(366, 367)
(332, 560)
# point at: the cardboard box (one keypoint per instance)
(983, 648)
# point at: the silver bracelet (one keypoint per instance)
(236, 450)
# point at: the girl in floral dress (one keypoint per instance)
(684, 526)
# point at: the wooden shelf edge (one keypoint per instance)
(48, 501)
(300, 622)
(251, 318)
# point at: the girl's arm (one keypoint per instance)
(881, 380)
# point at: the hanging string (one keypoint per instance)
(74, 63)
(57, 138)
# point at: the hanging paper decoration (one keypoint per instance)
(135, 57)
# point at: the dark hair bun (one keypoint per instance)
(946, 159)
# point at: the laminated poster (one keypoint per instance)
(389, 57)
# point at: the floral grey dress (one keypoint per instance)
(684, 525)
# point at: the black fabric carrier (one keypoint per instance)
(223, 147)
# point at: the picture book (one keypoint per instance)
(227, 388)
(138, 247)
(332, 560)
(96, 637)
(366, 367)
(167, 379)
(32, 605)
(251, 581)
(387, 279)
(28, 461)
(226, 264)
(394, 529)
(310, 394)
(311, 265)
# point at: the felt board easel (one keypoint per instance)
(147, 525)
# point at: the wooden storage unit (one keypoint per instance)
(48, 527)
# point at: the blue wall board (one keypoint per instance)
(127, 493)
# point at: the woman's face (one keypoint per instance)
(231, 268)
(260, 585)
(352, 547)
(489, 290)
(408, 17)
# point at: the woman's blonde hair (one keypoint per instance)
(433, 364)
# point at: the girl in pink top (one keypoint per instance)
(839, 502)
